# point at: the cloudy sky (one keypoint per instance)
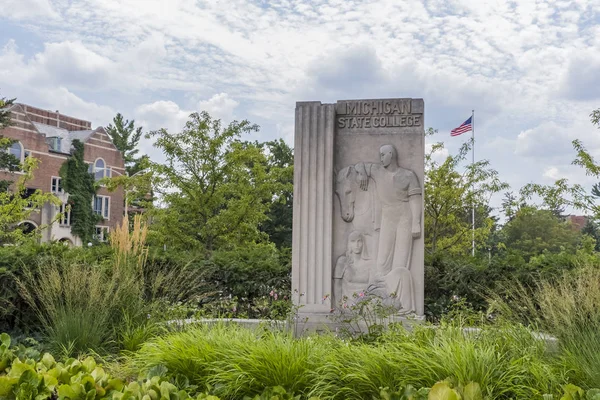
(529, 68)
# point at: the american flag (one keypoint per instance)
(465, 127)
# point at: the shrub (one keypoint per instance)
(507, 362)
(85, 306)
(566, 307)
(236, 362)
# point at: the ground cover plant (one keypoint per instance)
(504, 361)
(229, 362)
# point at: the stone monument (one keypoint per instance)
(358, 205)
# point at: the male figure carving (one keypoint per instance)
(399, 191)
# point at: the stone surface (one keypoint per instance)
(358, 205)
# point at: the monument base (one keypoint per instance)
(306, 323)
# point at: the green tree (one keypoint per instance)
(591, 229)
(216, 190)
(8, 162)
(5, 112)
(17, 204)
(80, 184)
(137, 187)
(450, 195)
(534, 231)
(126, 138)
(280, 215)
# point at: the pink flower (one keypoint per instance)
(361, 294)
(272, 293)
(275, 296)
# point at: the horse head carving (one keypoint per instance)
(345, 182)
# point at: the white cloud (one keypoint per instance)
(162, 114)
(71, 63)
(552, 140)
(28, 9)
(440, 155)
(529, 68)
(31, 83)
(219, 106)
(581, 81)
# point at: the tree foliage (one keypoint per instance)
(216, 189)
(126, 138)
(5, 112)
(451, 191)
(280, 162)
(17, 204)
(8, 161)
(535, 231)
(80, 184)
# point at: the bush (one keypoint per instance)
(504, 361)
(236, 362)
(567, 308)
(90, 306)
(245, 281)
(15, 313)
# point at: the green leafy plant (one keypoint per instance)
(80, 184)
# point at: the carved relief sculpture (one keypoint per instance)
(398, 213)
(358, 206)
(352, 270)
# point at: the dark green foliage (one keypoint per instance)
(80, 184)
(7, 161)
(279, 223)
(502, 361)
(591, 229)
(217, 188)
(534, 231)
(248, 275)
(5, 112)
(126, 138)
(15, 314)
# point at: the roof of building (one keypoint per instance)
(66, 136)
(55, 125)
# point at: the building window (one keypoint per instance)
(56, 186)
(102, 206)
(55, 143)
(101, 170)
(26, 194)
(16, 149)
(101, 233)
(65, 215)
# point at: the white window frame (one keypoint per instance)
(56, 188)
(22, 158)
(104, 232)
(65, 218)
(105, 171)
(105, 207)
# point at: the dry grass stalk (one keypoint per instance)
(130, 246)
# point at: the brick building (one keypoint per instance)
(47, 136)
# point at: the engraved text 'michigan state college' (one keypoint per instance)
(393, 113)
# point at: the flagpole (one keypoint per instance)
(472, 166)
